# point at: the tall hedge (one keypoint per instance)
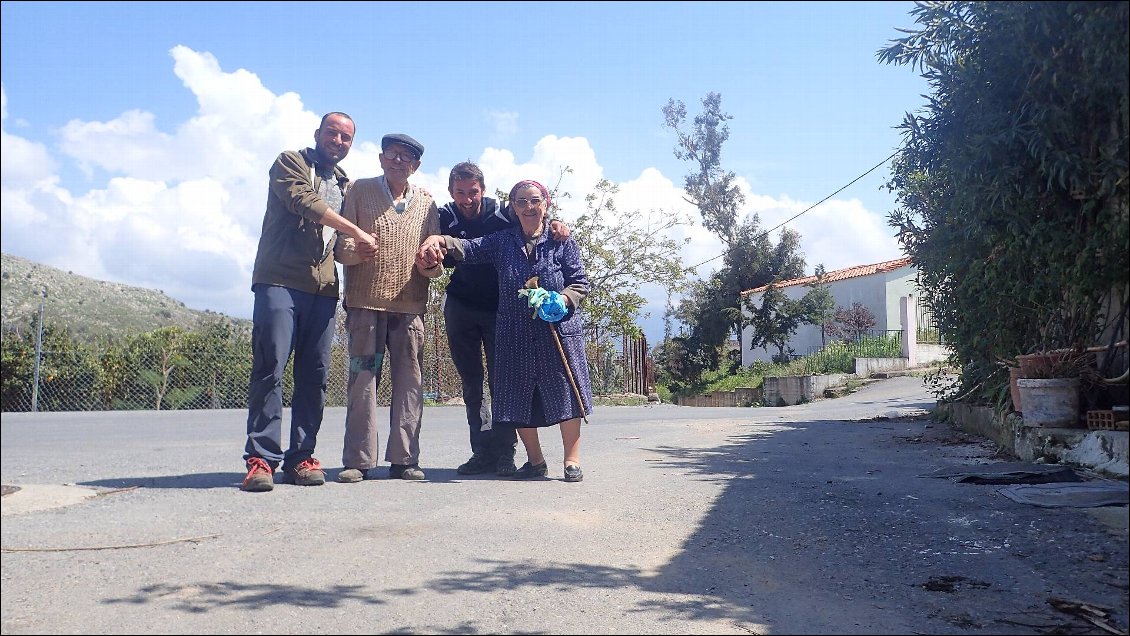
(1012, 183)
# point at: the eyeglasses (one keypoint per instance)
(402, 155)
(524, 202)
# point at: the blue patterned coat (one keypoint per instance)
(526, 356)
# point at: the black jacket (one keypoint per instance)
(474, 285)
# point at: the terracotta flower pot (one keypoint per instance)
(1040, 365)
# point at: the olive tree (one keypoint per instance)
(712, 310)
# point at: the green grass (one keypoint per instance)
(837, 357)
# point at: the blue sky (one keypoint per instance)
(137, 136)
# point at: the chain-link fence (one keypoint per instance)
(207, 367)
(178, 369)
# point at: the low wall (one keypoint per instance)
(1102, 451)
(738, 397)
(789, 390)
(794, 389)
(927, 353)
(864, 367)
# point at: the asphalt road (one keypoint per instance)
(810, 519)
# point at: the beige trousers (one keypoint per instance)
(373, 335)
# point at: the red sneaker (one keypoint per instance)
(308, 473)
(260, 477)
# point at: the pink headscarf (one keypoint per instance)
(530, 182)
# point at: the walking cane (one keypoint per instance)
(532, 283)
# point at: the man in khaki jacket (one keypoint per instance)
(296, 291)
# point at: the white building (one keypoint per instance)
(878, 287)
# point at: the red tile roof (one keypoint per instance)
(840, 274)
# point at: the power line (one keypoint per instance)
(766, 232)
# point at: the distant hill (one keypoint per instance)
(90, 308)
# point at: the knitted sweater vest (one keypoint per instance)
(390, 282)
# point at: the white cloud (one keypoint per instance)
(838, 233)
(181, 210)
(178, 211)
(24, 163)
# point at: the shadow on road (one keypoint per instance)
(817, 527)
(192, 480)
(826, 527)
(232, 480)
(206, 597)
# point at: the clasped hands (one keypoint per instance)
(366, 246)
(431, 252)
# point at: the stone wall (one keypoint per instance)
(794, 389)
(737, 397)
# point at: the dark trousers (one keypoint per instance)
(470, 333)
(285, 321)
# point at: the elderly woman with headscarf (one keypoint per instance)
(540, 370)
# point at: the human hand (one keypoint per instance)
(424, 260)
(433, 243)
(366, 246)
(534, 296)
(431, 252)
(558, 230)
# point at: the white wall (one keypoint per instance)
(899, 282)
(879, 293)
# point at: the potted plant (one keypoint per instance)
(1041, 365)
(1048, 385)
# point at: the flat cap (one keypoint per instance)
(399, 138)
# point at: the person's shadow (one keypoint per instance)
(233, 479)
(192, 480)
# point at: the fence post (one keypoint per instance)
(38, 357)
(435, 353)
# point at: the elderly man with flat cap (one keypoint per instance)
(385, 299)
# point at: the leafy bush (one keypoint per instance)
(1013, 183)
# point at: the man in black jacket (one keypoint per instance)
(469, 314)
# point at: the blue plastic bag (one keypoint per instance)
(552, 308)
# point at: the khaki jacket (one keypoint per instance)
(292, 252)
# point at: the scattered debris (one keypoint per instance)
(1096, 615)
(1008, 473)
(950, 584)
(114, 547)
(117, 490)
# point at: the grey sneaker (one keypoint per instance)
(260, 477)
(528, 471)
(351, 476)
(307, 473)
(400, 471)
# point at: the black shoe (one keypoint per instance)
(528, 471)
(400, 471)
(477, 465)
(505, 467)
(573, 473)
